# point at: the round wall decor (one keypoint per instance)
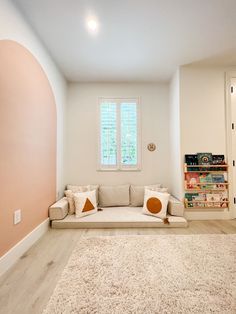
(151, 147)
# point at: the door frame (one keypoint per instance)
(228, 116)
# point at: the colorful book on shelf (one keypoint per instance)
(205, 178)
(224, 199)
(201, 198)
(219, 187)
(217, 199)
(213, 200)
(191, 160)
(189, 198)
(218, 178)
(192, 180)
(213, 187)
(218, 159)
(204, 158)
(206, 187)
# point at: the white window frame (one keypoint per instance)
(119, 166)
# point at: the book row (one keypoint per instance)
(207, 181)
(206, 199)
(204, 159)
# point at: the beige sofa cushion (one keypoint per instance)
(156, 188)
(137, 193)
(175, 207)
(78, 188)
(70, 198)
(113, 195)
(83, 188)
(59, 210)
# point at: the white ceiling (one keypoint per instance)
(138, 40)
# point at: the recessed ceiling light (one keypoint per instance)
(92, 25)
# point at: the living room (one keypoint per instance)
(66, 65)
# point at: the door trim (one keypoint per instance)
(228, 121)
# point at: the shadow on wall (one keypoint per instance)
(27, 143)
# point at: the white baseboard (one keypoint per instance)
(12, 256)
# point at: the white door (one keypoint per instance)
(233, 143)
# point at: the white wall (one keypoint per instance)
(176, 164)
(203, 118)
(82, 133)
(14, 27)
(203, 127)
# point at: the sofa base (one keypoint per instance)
(118, 217)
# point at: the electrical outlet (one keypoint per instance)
(17, 216)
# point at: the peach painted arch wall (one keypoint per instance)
(27, 143)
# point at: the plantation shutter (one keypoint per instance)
(129, 138)
(119, 134)
(108, 136)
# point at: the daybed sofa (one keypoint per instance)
(121, 208)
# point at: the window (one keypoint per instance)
(119, 134)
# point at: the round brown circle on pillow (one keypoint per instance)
(154, 205)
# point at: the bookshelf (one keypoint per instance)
(206, 187)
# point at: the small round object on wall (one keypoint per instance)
(151, 147)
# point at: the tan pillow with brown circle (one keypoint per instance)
(155, 203)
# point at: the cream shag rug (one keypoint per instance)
(149, 274)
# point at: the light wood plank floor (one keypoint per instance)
(28, 285)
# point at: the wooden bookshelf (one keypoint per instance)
(207, 202)
(206, 166)
(204, 191)
(202, 168)
(207, 171)
(210, 183)
(197, 201)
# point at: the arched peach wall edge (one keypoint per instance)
(27, 143)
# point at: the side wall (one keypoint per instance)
(82, 133)
(203, 114)
(28, 143)
(203, 117)
(14, 27)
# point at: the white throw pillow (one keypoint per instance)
(94, 187)
(78, 188)
(156, 188)
(83, 188)
(155, 203)
(69, 193)
(85, 203)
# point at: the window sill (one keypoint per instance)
(120, 170)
